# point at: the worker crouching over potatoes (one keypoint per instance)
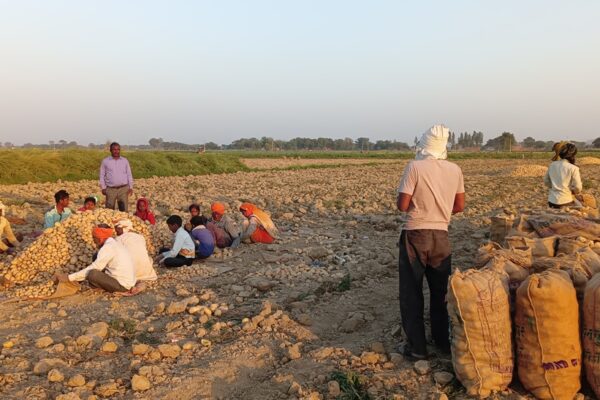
(113, 269)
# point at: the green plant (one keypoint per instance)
(124, 328)
(344, 284)
(351, 385)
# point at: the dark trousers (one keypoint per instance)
(176, 262)
(118, 196)
(424, 252)
(104, 281)
(552, 205)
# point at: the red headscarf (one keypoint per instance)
(146, 215)
(248, 207)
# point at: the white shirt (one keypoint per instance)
(183, 244)
(563, 179)
(115, 261)
(136, 246)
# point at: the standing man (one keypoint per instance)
(430, 191)
(116, 180)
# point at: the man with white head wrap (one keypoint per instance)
(136, 246)
(430, 191)
(8, 240)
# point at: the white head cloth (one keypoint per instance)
(432, 144)
(125, 224)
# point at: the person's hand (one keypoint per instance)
(60, 278)
(187, 226)
(104, 192)
(129, 192)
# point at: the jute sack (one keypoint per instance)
(590, 260)
(516, 273)
(547, 336)
(540, 247)
(591, 333)
(570, 245)
(480, 330)
(501, 225)
(520, 256)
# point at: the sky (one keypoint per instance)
(199, 71)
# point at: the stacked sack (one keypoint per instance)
(550, 263)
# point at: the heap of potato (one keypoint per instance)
(67, 247)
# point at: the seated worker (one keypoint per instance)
(8, 240)
(563, 176)
(194, 210)
(203, 238)
(89, 204)
(182, 252)
(258, 228)
(60, 212)
(136, 245)
(223, 227)
(142, 211)
(112, 270)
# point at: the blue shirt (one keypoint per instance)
(205, 241)
(53, 216)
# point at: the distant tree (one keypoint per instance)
(504, 142)
(51, 142)
(596, 143)
(155, 143)
(528, 142)
(363, 144)
(8, 144)
(72, 144)
(62, 143)
(212, 146)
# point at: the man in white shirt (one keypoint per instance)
(112, 270)
(183, 250)
(136, 245)
(563, 176)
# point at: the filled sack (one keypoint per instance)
(478, 308)
(547, 335)
(591, 333)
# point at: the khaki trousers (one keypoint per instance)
(117, 196)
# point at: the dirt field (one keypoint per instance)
(271, 163)
(267, 321)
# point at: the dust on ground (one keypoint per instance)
(288, 320)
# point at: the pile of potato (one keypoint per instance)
(67, 247)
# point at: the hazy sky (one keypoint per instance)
(196, 71)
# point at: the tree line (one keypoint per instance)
(474, 141)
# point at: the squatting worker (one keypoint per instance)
(430, 191)
(136, 246)
(116, 180)
(113, 269)
(563, 176)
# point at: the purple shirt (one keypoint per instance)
(115, 172)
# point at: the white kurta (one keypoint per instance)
(136, 245)
(115, 261)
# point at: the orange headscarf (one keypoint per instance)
(102, 233)
(218, 208)
(263, 218)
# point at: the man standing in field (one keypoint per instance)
(430, 191)
(116, 180)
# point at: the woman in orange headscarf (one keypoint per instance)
(258, 228)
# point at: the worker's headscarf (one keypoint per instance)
(124, 224)
(102, 233)
(142, 214)
(263, 218)
(557, 148)
(218, 208)
(248, 207)
(568, 152)
(432, 144)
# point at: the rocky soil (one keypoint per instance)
(313, 316)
